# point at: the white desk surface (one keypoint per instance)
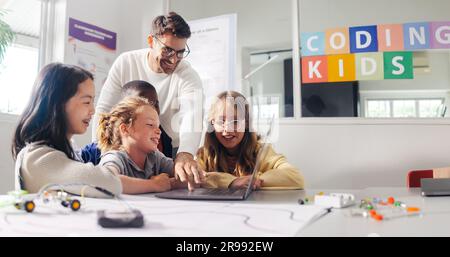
(265, 213)
(435, 220)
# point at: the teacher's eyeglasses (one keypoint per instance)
(170, 52)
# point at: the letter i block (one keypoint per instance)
(390, 37)
(398, 65)
(314, 69)
(341, 67)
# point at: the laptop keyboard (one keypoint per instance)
(221, 191)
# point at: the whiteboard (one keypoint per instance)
(213, 53)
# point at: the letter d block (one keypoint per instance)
(363, 39)
(369, 66)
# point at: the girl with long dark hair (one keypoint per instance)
(61, 105)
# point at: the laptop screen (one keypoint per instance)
(262, 152)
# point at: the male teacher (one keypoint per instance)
(178, 85)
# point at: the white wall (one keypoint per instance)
(343, 155)
(262, 24)
(7, 126)
(131, 20)
(318, 15)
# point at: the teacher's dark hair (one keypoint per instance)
(172, 23)
(44, 119)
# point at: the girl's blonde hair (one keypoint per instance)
(124, 112)
(213, 153)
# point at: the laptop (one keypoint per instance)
(222, 193)
(435, 186)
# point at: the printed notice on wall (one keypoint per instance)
(92, 48)
(213, 53)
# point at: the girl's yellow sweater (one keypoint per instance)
(275, 172)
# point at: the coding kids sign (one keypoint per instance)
(373, 52)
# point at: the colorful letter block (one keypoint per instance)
(312, 43)
(369, 66)
(341, 67)
(398, 65)
(416, 36)
(314, 69)
(390, 37)
(337, 41)
(363, 39)
(440, 35)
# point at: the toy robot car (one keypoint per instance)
(23, 201)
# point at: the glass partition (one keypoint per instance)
(263, 50)
(375, 59)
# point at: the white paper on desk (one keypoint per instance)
(164, 218)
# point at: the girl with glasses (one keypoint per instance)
(230, 149)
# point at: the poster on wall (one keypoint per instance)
(92, 48)
(213, 53)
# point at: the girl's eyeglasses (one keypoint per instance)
(232, 125)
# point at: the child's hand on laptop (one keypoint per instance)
(177, 184)
(242, 183)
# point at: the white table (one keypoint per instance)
(435, 220)
(265, 213)
(195, 218)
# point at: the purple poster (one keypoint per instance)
(89, 33)
(92, 48)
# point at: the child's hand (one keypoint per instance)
(187, 170)
(177, 184)
(242, 182)
(161, 182)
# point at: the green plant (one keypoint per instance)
(6, 35)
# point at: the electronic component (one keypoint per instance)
(124, 219)
(335, 200)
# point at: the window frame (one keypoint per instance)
(404, 95)
(40, 43)
(391, 105)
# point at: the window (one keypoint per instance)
(405, 108)
(418, 94)
(20, 64)
(270, 83)
(431, 108)
(378, 109)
